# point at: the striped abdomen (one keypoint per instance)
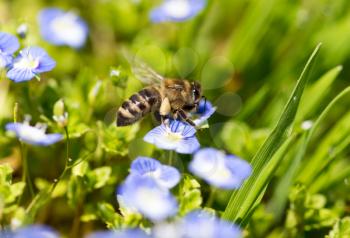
(138, 105)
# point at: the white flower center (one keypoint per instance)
(68, 29)
(177, 8)
(174, 136)
(27, 62)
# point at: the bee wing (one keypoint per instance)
(143, 72)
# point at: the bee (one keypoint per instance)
(165, 97)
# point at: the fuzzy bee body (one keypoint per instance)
(165, 97)
(138, 105)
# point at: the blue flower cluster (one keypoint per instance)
(147, 189)
(197, 224)
(214, 166)
(29, 63)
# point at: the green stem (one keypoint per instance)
(211, 197)
(67, 164)
(68, 159)
(171, 157)
(25, 173)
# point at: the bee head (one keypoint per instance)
(196, 91)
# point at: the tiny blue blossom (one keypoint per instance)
(127, 233)
(8, 45)
(145, 196)
(30, 62)
(220, 170)
(34, 231)
(197, 224)
(177, 10)
(164, 175)
(33, 135)
(204, 111)
(176, 135)
(62, 28)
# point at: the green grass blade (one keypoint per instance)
(243, 199)
(317, 162)
(314, 95)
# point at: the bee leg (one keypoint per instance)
(182, 114)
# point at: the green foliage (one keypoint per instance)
(298, 142)
(189, 195)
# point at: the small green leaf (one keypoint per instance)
(189, 195)
(341, 229)
(99, 177)
(5, 174)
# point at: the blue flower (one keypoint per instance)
(148, 198)
(164, 175)
(220, 170)
(8, 45)
(205, 110)
(211, 226)
(30, 62)
(62, 28)
(35, 231)
(178, 136)
(177, 10)
(197, 224)
(33, 135)
(127, 233)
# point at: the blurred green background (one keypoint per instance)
(247, 55)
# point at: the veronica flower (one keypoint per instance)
(34, 231)
(62, 28)
(205, 110)
(30, 62)
(164, 175)
(148, 198)
(178, 136)
(218, 169)
(127, 233)
(8, 45)
(177, 10)
(33, 135)
(197, 224)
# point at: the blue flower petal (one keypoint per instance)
(239, 167)
(32, 135)
(20, 74)
(8, 43)
(35, 231)
(176, 10)
(178, 136)
(169, 176)
(164, 175)
(145, 195)
(127, 233)
(142, 165)
(30, 62)
(211, 226)
(205, 110)
(62, 28)
(218, 169)
(5, 60)
(188, 146)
